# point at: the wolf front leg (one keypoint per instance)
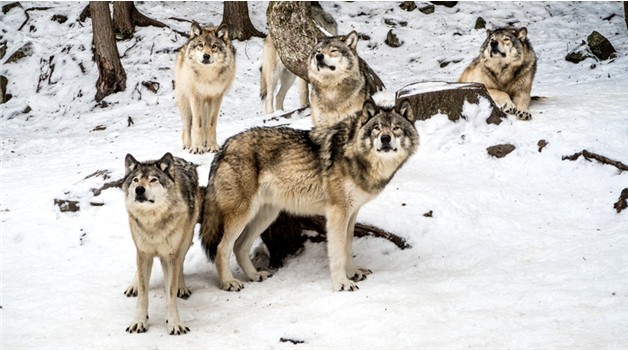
(353, 272)
(213, 108)
(171, 266)
(186, 119)
(198, 122)
(139, 324)
(337, 224)
(133, 288)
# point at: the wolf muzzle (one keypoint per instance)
(140, 194)
(320, 62)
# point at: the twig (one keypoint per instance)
(29, 17)
(590, 155)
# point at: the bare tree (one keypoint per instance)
(126, 17)
(111, 74)
(236, 16)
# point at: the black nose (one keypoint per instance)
(494, 44)
(385, 139)
(320, 57)
(206, 57)
(140, 190)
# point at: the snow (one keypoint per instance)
(521, 252)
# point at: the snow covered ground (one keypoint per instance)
(521, 252)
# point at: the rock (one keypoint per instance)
(445, 3)
(3, 49)
(24, 51)
(8, 7)
(600, 46)
(67, 205)
(428, 10)
(500, 151)
(392, 40)
(480, 23)
(59, 18)
(576, 57)
(4, 97)
(541, 144)
(408, 6)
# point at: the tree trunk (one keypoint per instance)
(111, 75)
(126, 17)
(236, 17)
(294, 33)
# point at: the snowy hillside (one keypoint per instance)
(526, 251)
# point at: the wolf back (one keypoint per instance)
(328, 171)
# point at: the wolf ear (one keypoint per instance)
(351, 40)
(223, 32)
(368, 110)
(195, 30)
(129, 164)
(522, 33)
(488, 32)
(166, 164)
(406, 111)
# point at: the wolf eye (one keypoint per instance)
(376, 128)
(153, 180)
(136, 180)
(396, 128)
(214, 47)
(334, 51)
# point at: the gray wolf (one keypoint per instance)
(506, 66)
(331, 171)
(204, 70)
(274, 71)
(341, 80)
(163, 201)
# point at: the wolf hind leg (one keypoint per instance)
(264, 217)
(287, 79)
(234, 225)
(304, 92)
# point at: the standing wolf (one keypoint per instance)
(329, 171)
(204, 70)
(163, 201)
(341, 80)
(506, 66)
(274, 71)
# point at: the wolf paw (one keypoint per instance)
(197, 150)
(177, 329)
(131, 291)
(346, 286)
(232, 286)
(137, 327)
(213, 148)
(261, 276)
(523, 115)
(184, 292)
(359, 274)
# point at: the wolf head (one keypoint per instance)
(507, 45)
(208, 45)
(147, 184)
(334, 55)
(388, 132)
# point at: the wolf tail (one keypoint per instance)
(211, 224)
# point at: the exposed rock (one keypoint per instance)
(24, 51)
(8, 7)
(4, 97)
(59, 18)
(480, 23)
(428, 10)
(392, 40)
(67, 205)
(3, 49)
(445, 3)
(541, 144)
(500, 151)
(600, 46)
(576, 56)
(408, 6)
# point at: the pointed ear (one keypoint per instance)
(406, 111)
(368, 110)
(223, 32)
(488, 32)
(195, 30)
(351, 40)
(129, 164)
(166, 164)
(522, 33)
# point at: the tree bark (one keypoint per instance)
(236, 17)
(111, 74)
(126, 17)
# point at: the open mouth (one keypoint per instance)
(495, 51)
(142, 199)
(320, 65)
(387, 148)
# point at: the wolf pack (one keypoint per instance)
(355, 146)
